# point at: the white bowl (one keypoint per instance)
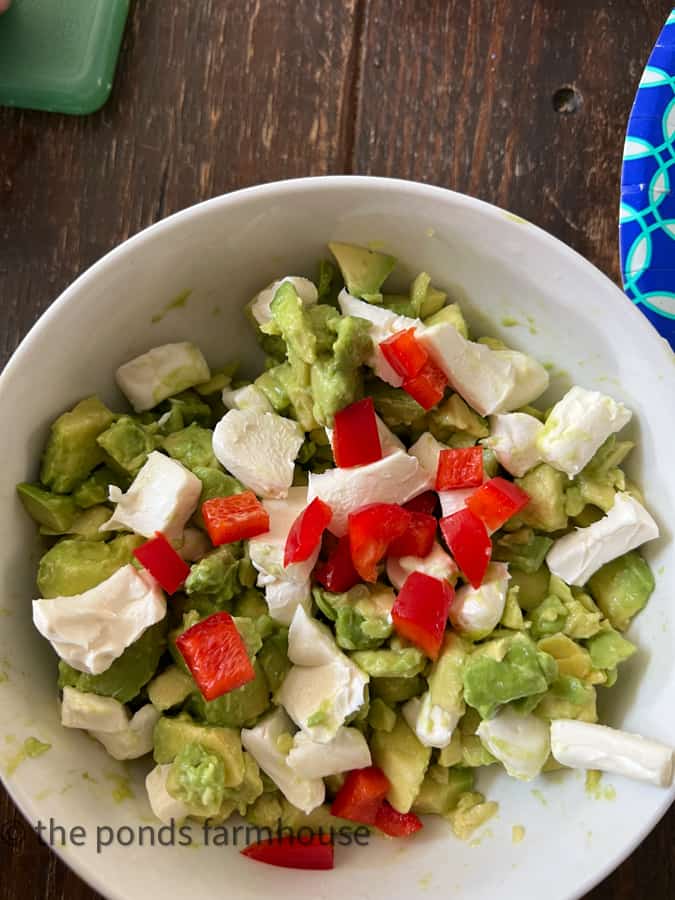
(223, 251)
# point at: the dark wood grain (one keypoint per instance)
(220, 94)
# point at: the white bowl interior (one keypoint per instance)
(222, 252)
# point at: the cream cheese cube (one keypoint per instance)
(161, 372)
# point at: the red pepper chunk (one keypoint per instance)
(361, 795)
(404, 353)
(314, 851)
(371, 531)
(470, 544)
(164, 564)
(306, 532)
(234, 518)
(215, 654)
(394, 823)
(356, 440)
(338, 574)
(461, 468)
(418, 539)
(420, 612)
(423, 503)
(428, 386)
(496, 501)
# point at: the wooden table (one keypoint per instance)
(521, 102)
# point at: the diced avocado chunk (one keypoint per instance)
(445, 679)
(94, 490)
(216, 575)
(568, 698)
(265, 812)
(584, 619)
(273, 659)
(54, 511)
(454, 414)
(71, 451)
(273, 385)
(394, 405)
(622, 588)
(512, 617)
(380, 716)
(214, 484)
(364, 271)
(185, 409)
(73, 566)
(170, 688)
(336, 378)
(391, 663)
(197, 777)
(291, 319)
(238, 799)
(472, 811)
(425, 299)
(452, 315)
(546, 489)
(354, 631)
(319, 818)
(571, 657)
(192, 446)
(451, 754)
(397, 689)
(128, 443)
(523, 550)
(128, 673)
(608, 649)
(441, 789)
(251, 603)
(172, 734)
(238, 708)
(532, 588)
(548, 618)
(86, 524)
(403, 759)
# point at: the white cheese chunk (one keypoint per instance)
(346, 751)
(261, 742)
(426, 450)
(258, 448)
(167, 808)
(310, 643)
(135, 739)
(475, 612)
(260, 306)
(267, 550)
(455, 500)
(90, 630)
(578, 555)
(396, 478)
(90, 711)
(389, 443)
(438, 564)
(248, 397)
(162, 497)
(521, 743)
(513, 438)
(577, 426)
(283, 598)
(161, 372)
(433, 725)
(582, 745)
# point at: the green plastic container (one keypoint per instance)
(60, 55)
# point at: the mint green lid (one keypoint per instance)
(60, 55)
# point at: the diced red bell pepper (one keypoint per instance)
(161, 560)
(216, 655)
(394, 823)
(371, 531)
(313, 851)
(355, 437)
(418, 538)
(470, 544)
(234, 518)
(496, 501)
(459, 468)
(361, 795)
(428, 386)
(306, 532)
(420, 612)
(404, 353)
(337, 573)
(423, 503)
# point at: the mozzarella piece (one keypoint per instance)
(582, 745)
(513, 438)
(384, 323)
(491, 381)
(283, 598)
(521, 743)
(90, 630)
(261, 304)
(267, 550)
(396, 478)
(389, 443)
(135, 739)
(578, 555)
(258, 448)
(348, 750)
(454, 501)
(248, 397)
(261, 743)
(433, 725)
(310, 643)
(161, 372)
(167, 808)
(577, 426)
(426, 450)
(475, 612)
(194, 545)
(162, 497)
(438, 564)
(89, 711)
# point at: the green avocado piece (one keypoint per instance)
(391, 663)
(72, 451)
(86, 524)
(127, 444)
(273, 658)
(454, 414)
(239, 798)
(197, 777)
(236, 709)
(54, 511)
(622, 588)
(319, 818)
(128, 673)
(608, 649)
(170, 688)
(403, 759)
(192, 446)
(445, 678)
(191, 407)
(425, 299)
(568, 698)
(216, 574)
(354, 631)
(214, 484)
(325, 280)
(523, 550)
(395, 690)
(172, 734)
(73, 566)
(291, 319)
(532, 587)
(452, 315)
(273, 385)
(364, 271)
(324, 321)
(440, 790)
(265, 812)
(394, 406)
(251, 603)
(546, 488)
(548, 618)
(94, 490)
(380, 716)
(336, 378)
(584, 619)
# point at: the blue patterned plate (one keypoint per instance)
(647, 213)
